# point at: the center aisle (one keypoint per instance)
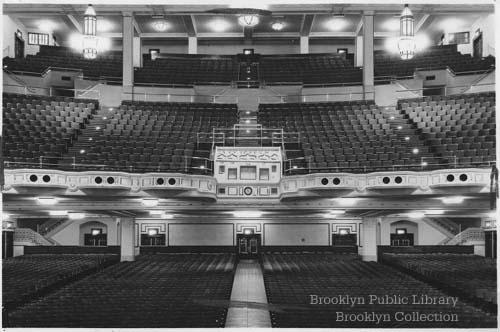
(249, 297)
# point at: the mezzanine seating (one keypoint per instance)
(151, 136)
(309, 69)
(25, 276)
(186, 69)
(459, 128)
(39, 129)
(154, 291)
(472, 275)
(434, 58)
(291, 279)
(107, 65)
(347, 136)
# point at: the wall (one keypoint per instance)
(86, 228)
(388, 94)
(425, 235)
(201, 234)
(9, 28)
(296, 234)
(486, 23)
(70, 235)
(332, 94)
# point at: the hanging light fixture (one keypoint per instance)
(89, 33)
(278, 25)
(406, 43)
(248, 20)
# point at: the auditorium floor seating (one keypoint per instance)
(153, 291)
(434, 58)
(353, 136)
(460, 129)
(291, 279)
(471, 275)
(40, 129)
(108, 65)
(26, 277)
(150, 136)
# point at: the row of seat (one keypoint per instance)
(154, 291)
(296, 282)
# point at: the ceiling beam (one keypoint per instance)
(163, 35)
(136, 26)
(189, 25)
(71, 21)
(359, 26)
(306, 24)
(421, 22)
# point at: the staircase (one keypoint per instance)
(469, 236)
(30, 237)
(444, 226)
(84, 140)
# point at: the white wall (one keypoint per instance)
(200, 234)
(486, 23)
(296, 234)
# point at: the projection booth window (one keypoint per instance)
(248, 172)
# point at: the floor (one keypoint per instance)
(248, 298)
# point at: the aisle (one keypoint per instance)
(249, 299)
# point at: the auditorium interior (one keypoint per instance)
(261, 164)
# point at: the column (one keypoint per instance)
(192, 45)
(128, 55)
(137, 52)
(369, 249)
(359, 52)
(127, 239)
(304, 44)
(368, 66)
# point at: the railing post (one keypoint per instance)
(41, 161)
(74, 162)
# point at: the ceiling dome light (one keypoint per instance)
(406, 43)
(149, 202)
(76, 215)
(247, 214)
(453, 200)
(46, 200)
(278, 26)
(160, 25)
(249, 20)
(336, 24)
(416, 215)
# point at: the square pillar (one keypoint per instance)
(368, 65)
(127, 239)
(370, 240)
(137, 52)
(128, 54)
(192, 45)
(359, 52)
(304, 44)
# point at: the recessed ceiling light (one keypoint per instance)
(153, 231)
(278, 26)
(424, 163)
(76, 215)
(435, 212)
(247, 214)
(407, 138)
(149, 202)
(219, 25)
(452, 199)
(46, 200)
(336, 24)
(347, 201)
(167, 216)
(160, 25)
(46, 26)
(58, 213)
(82, 151)
(415, 151)
(400, 127)
(416, 215)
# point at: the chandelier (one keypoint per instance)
(406, 42)
(89, 33)
(160, 25)
(248, 20)
(278, 26)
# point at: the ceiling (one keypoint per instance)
(338, 20)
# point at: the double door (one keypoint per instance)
(248, 245)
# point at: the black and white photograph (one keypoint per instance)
(323, 164)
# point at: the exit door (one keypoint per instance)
(248, 245)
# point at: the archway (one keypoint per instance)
(404, 233)
(93, 233)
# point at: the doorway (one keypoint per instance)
(8, 244)
(18, 46)
(248, 245)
